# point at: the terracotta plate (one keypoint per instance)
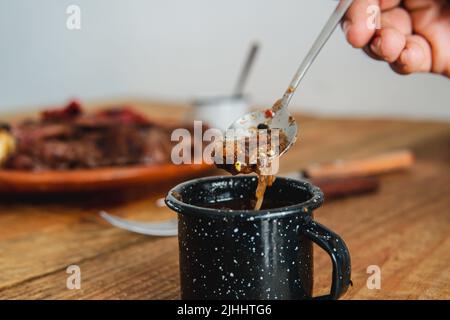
(74, 181)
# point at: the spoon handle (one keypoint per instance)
(239, 89)
(323, 37)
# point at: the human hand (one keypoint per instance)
(414, 34)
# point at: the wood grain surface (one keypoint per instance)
(404, 228)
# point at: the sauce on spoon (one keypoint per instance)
(254, 154)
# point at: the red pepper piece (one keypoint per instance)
(269, 113)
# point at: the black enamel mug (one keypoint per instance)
(228, 251)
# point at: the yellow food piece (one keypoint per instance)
(7, 146)
(237, 166)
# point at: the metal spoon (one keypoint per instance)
(239, 89)
(279, 117)
(165, 228)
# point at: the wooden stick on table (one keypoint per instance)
(376, 165)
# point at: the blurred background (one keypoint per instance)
(176, 50)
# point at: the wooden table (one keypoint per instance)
(404, 228)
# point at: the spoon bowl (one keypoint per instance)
(282, 120)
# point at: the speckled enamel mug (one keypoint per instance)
(246, 254)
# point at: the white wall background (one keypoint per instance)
(178, 49)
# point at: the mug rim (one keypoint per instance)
(306, 207)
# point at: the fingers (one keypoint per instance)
(388, 44)
(421, 4)
(389, 4)
(397, 18)
(394, 42)
(415, 57)
(355, 23)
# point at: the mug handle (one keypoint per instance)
(338, 252)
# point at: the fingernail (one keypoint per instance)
(346, 26)
(375, 46)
